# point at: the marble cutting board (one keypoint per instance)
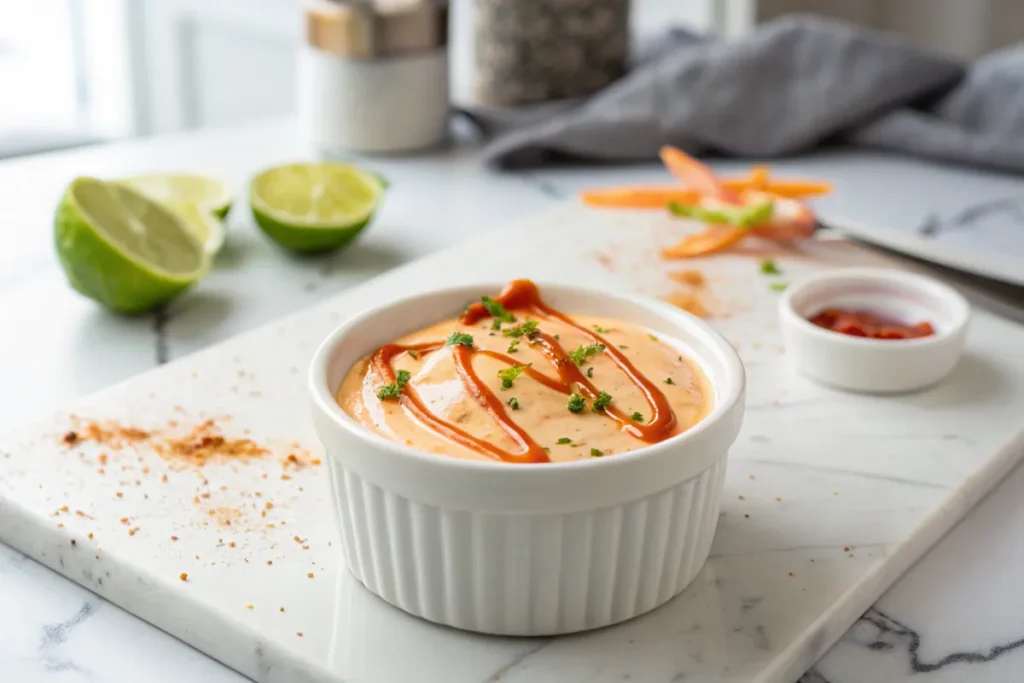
(829, 496)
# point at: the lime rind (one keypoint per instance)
(307, 239)
(315, 207)
(103, 270)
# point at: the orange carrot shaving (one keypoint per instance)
(658, 197)
(796, 189)
(696, 175)
(716, 238)
(639, 197)
(703, 194)
(759, 178)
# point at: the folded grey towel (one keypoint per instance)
(784, 88)
(979, 122)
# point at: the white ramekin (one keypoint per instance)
(526, 549)
(874, 365)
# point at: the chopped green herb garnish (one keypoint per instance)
(699, 213)
(584, 352)
(508, 375)
(513, 403)
(602, 401)
(512, 347)
(779, 286)
(526, 329)
(389, 391)
(596, 452)
(600, 330)
(414, 353)
(768, 267)
(590, 372)
(547, 450)
(576, 403)
(623, 346)
(652, 336)
(636, 417)
(556, 337)
(460, 338)
(394, 389)
(668, 380)
(564, 440)
(756, 214)
(743, 217)
(497, 311)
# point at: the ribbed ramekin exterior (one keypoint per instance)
(527, 574)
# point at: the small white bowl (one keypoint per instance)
(874, 365)
(526, 549)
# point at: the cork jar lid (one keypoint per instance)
(376, 29)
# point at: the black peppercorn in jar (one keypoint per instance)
(530, 51)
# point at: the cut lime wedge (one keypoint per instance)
(185, 188)
(316, 206)
(203, 225)
(123, 249)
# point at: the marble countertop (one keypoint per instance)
(953, 616)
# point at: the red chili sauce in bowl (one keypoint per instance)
(857, 323)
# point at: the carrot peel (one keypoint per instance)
(658, 197)
(716, 238)
(696, 175)
(639, 197)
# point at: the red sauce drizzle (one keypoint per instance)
(523, 297)
(870, 325)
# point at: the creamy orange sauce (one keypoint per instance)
(455, 403)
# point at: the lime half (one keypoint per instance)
(176, 189)
(314, 207)
(123, 249)
(204, 225)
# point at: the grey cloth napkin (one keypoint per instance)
(790, 85)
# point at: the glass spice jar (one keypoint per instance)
(531, 51)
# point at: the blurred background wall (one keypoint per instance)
(77, 71)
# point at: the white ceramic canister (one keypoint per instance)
(373, 75)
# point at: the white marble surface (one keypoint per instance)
(67, 634)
